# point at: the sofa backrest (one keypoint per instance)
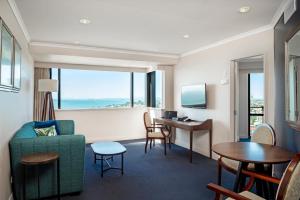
(66, 127)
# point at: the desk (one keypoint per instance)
(191, 127)
(250, 152)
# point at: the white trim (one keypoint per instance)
(10, 197)
(230, 39)
(279, 12)
(18, 16)
(110, 50)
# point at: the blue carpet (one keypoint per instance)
(151, 176)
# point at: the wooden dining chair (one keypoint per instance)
(288, 189)
(263, 134)
(156, 131)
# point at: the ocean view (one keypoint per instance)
(97, 103)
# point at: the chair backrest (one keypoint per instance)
(264, 134)
(289, 187)
(147, 120)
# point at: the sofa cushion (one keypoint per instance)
(26, 131)
(48, 131)
(47, 124)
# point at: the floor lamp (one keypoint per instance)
(48, 86)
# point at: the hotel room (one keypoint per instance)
(149, 100)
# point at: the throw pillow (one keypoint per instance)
(46, 124)
(49, 131)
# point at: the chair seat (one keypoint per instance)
(233, 164)
(157, 134)
(249, 195)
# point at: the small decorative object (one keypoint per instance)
(48, 86)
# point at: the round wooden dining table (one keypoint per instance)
(251, 152)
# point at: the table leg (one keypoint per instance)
(101, 166)
(38, 177)
(58, 179)
(24, 182)
(210, 143)
(261, 188)
(191, 146)
(122, 163)
(239, 176)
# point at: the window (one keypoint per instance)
(256, 100)
(10, 60)
(54, 75)
(7, 57)
(158, 89)
(139, 89)
(90, 89)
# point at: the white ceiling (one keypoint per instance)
(143, 25)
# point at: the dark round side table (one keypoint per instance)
(36, 160)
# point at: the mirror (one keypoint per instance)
(293, 79)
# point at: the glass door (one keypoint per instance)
(255, 100)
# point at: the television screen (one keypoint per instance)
(193, 96)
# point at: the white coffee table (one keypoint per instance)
(106, 150)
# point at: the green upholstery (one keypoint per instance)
(71, 149)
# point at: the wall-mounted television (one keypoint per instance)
(194, 96)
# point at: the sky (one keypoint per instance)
(257, 85)
(85, 84)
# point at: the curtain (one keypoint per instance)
(39, 73)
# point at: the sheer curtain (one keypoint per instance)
(39, 73)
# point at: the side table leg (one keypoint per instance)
(38, 177)
(101, 166)
(58, 179)
(122, 163)
(24, 182)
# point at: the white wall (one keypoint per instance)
(107, 124)
(15, 108)
(208, 66)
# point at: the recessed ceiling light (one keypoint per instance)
(244, 9)
(85, 21)
(186, 36)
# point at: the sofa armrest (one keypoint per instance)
(71, 150)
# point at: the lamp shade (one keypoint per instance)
(47, 85)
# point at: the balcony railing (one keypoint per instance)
(255, 117)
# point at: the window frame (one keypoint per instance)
(12, 87)
(59, 107)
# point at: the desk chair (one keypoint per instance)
(156, 131)
(263, 134)
(288, 189)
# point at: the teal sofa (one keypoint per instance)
(71, 149)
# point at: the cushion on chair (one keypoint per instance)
(158, 134)
(249, 195)
(263, 134)
(147, 119)
(235, 164)
(293, 187)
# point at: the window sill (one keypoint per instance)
(100, 109)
